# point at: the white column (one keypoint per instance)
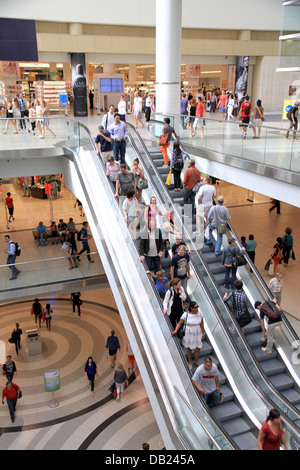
(168, 55)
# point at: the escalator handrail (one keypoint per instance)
(212, 280)
(226, 436)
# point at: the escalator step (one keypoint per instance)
(282, 382)
(292, 395)
(254, 339)
(246, 441)
(273, 367)
(228, 393)
(262, 356)
(236, 426)
(226, 411)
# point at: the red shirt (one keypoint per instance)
(245, 105)
(10, 394)
(9, 202)
(188, 180)
(199, 110)
(271, 441)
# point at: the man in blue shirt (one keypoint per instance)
(83, 236)
(104, 139)
(183, 110)
(11, 257)
(41, 232)
(119, 135)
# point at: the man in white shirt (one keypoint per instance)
(204, 198)
(148, 105)
(206, 380)
(11, 257)
(109, 118)
(275, 286)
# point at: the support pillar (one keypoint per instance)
(168, 55)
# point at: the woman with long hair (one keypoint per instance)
(91, 372)
(271, 433)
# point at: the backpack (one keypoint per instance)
(289, 113)
(271, 311)
(79, 235)
(17, 249)
(178, 162)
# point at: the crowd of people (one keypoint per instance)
(35, 113)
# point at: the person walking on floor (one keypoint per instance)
(287, 242)
(9, 368)
(16, 337)
(48, 316)
(91, 372)
(11, 392)
(11, 257)
(292, 116)
(37, 311)
(112, 346)
(84, 236)
(77, 302)
(120, 379)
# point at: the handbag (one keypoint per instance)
(19, 393)
(142, 184)
(164, 138)
(222, 228)
(238, 260)
(267, 265)
(197, 185)
(245, 318)
(168, 180)
(181, 331)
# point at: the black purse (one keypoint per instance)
(181, 331)
(245, 318)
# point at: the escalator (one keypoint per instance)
(192, 426)
(282, 379)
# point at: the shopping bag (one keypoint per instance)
(168, 180)
(271, 268)
(206, 233)
(267, 265)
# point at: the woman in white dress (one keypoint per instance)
(194, 332)
(137, 109)
(230, 106)
(122, 108)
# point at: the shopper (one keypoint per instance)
(271, 433)
(161, 282)
(45, 121)
(42, 236)
(228, 255)
(125, 181)
(206, 381)
(251, 246)
(77, 302)
(275, 286)
(292, 116)
(84, 237)
(11, 392)
(199, 117)
(9, 368)
(108, 118)
(151, 246)
(103, 139)
(120, 379)
(9, 117)
(193, 324)
(131, 212)
(173, 302)
(276, 205)
(270, 311)
(80, 207)
(140, 178)
(11, 257)
(230, 107)
(287, 244)
(122, 108)
(152, 211)
(222, 104)
(32, 115)
(240, 302)
(37, 311)
(16, 111)
(131, 359)
(177, 164)
(91, 372)
(10, 206)
(112, 169)
(183, 110)
(112, 346)
(48, 316)
(54, 233)
(137, 109)
(167, 132)
(277, 254)
(205, 200)
(148, 106)
(22, 111)
(70, 241)
(16, 337)
(218, 217)
(244, 116)
(257, 119)
(180, 266)
(118, 132)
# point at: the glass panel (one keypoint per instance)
(291, 19)
(289, 53)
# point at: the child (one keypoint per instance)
(160, 283)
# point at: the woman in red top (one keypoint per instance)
(271, 432)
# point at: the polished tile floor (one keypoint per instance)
(81, 421)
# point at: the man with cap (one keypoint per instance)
(217, 216)
(293, 118)
(104, 139)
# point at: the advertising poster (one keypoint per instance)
(241, 76)
(51, 380)
(79, 84)
(287, 105)
(193, 71)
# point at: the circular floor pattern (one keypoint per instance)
(79, 421)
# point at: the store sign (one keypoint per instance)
(79, 84)
(52, 380)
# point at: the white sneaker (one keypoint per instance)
(266, 350)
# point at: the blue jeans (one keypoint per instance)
(11, 259)
(85, 247)
(182, 118)
(219, 239)
(119, 148)
(212, 398)
(153, 261)
(22, 121)
(12, 406)
(233, 276)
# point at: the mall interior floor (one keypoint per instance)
(81, 421)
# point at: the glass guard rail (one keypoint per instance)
(114, 243)
(225, 137)
(212, 288)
